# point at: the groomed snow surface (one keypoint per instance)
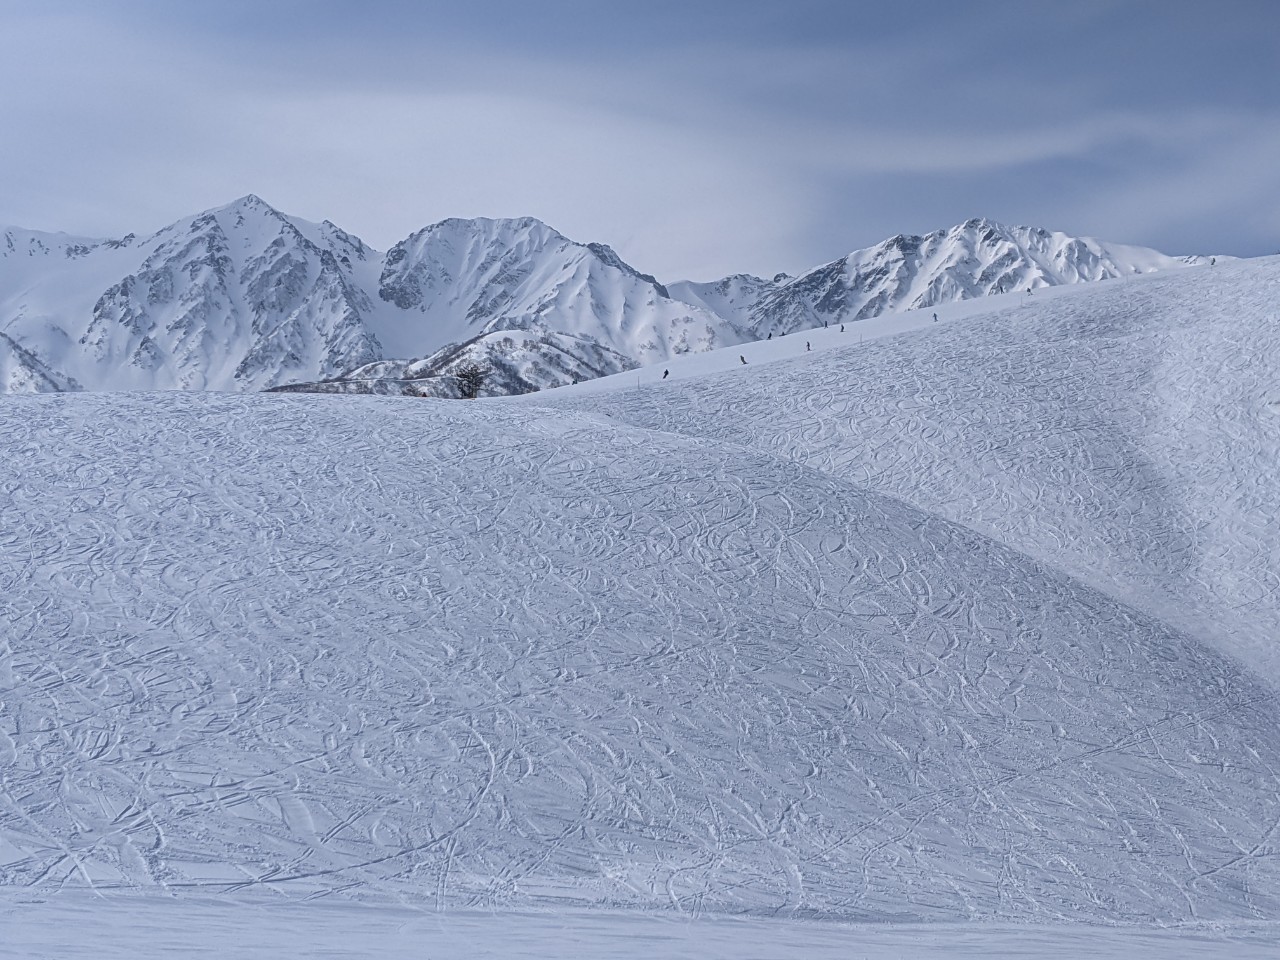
(958, 642)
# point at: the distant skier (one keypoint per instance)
(806, 345)
(742, 358)
(665, 374)
(1213, 261)
(770, 336)
(935, 318)
(842, 328)
(824, 324)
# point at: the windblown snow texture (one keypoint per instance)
(801, 639)
(244, 297)
(1124, 433)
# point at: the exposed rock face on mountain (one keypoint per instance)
(246, 298)
(513, 361)
(975, 259)
(537, 307)
(236, 298)
(23, 372)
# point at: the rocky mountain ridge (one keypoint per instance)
(977, 258)
(244, 297)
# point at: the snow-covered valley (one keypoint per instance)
(959, 638)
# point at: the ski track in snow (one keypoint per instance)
(1124, 433)
(754, 651)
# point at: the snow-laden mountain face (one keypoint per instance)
(978, 258)
(530, 306)
(504, 286)
(236, 298)
(246, 298)
(734, 296)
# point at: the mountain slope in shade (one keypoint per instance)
(23, 372)
(978, 258)
(733, 296)
(514, 361)
(1123, 432)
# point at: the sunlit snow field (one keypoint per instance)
(948, 639)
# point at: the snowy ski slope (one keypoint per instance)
(966, 624)
(1126, 433)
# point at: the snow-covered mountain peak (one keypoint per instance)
(236, 297)
(252, 220)
(490, 230)
(976, 258)
(256, 225)
(245, 208)
(244, 296)
(344, 244)
(579, 309)
(430, 259)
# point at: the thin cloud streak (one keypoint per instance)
(715, 152)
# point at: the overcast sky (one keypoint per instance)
(698, 138)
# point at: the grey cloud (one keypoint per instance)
(695, 144)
